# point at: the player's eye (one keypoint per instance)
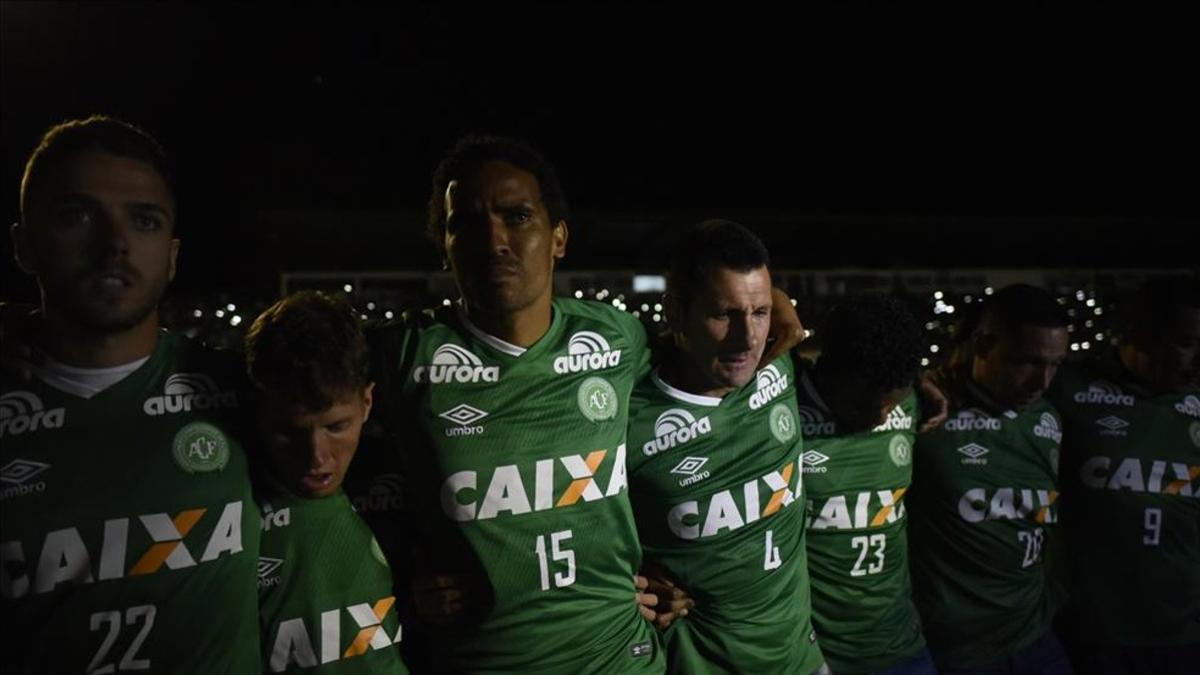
(148, 222)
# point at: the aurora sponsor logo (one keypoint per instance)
(384, 494)
(465, 417)
(813, 423)
(587, 351)
(691, 470)
(674, 428)
(972, 419)
(1189, 406)
(22, 411)
(1104, 393)
(272, 519)
(897, 420)
(454, 364)
(770, 383)
(812, 460)
(1047, 427)
(185, 392)
(16, 476)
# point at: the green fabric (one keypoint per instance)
(325, 590)
(129, 534)
(717, 493)
(1131, 508)
(983, 507)
(857, 544)
(515, 474)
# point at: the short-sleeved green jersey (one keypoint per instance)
(857, 544)
(1131, 507)
(128, 533)
(325, 590)
(983, 504)
(717, 493)
(516, 476)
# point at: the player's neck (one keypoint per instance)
(74, 344)
(522, 327)
(682, 374)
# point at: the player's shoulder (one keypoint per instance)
(178, 354)
(599, 316)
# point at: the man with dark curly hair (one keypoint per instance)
(859, 415)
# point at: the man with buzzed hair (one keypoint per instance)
(128, 535)
(984, 499)
(714, 467)
(1131, 477)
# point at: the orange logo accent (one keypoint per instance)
(577, 486)
(1044, 512)
(364, 637)
(1177, 485)
(777, 497)
(154, 558)
(881, 517)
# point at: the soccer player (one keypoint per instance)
(714, 466)
(325, 588)
(858, 415)
(983, 504)
(128, 534)
(511, 409)
(1130, 482)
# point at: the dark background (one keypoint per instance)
(871, 136)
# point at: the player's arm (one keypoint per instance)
(672, 601)
(933, 401)
(786, 329)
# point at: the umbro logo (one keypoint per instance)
(267, 567)
(465, 417)
(812, 461)
(16, 476)
(973, 453)
(1113, 426)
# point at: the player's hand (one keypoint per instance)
(439, 599)
(786, 330)
(935, 406)
(17, 358)
(646, 602)
(673, 601)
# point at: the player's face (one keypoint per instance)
(499, 239)
(722, 332)
(310, 450)
(1018, 369)
(859, 406)
(99, 238)
(1174, 362)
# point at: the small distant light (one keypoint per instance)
(579, 294)
(1099, 337)
(616, 303)
(1086, 345)
(924, 361)
(445, 302)
(230, 307)
(809, 332)
(1071, 328)
(388, 314)
(988, 291)
(968, 299)
(1074, 346)
(656, 318)
(645, 307)
(197, 313)
(235, 320)
(1088, 323)
(370, 305)
(937, 295)
(602, 294)
(1061, 301)
(636, 313)
(658, 306)
(1098, 311)
(1070, 312)
(347, 288)
(220, 313)
(363, 317)
(928, 325)
(1090, 302)
(949, 309)
(934, 348)
(1079, 296)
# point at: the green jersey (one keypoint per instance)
(1131, 507)
(716, 490)
(325, 590)
(515, 473)
(983, 504)
(857, 545)
(128, 533)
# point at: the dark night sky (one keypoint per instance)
(867, 136)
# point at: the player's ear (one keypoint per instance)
(558, 242)
(368, 400)
(22, 248)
